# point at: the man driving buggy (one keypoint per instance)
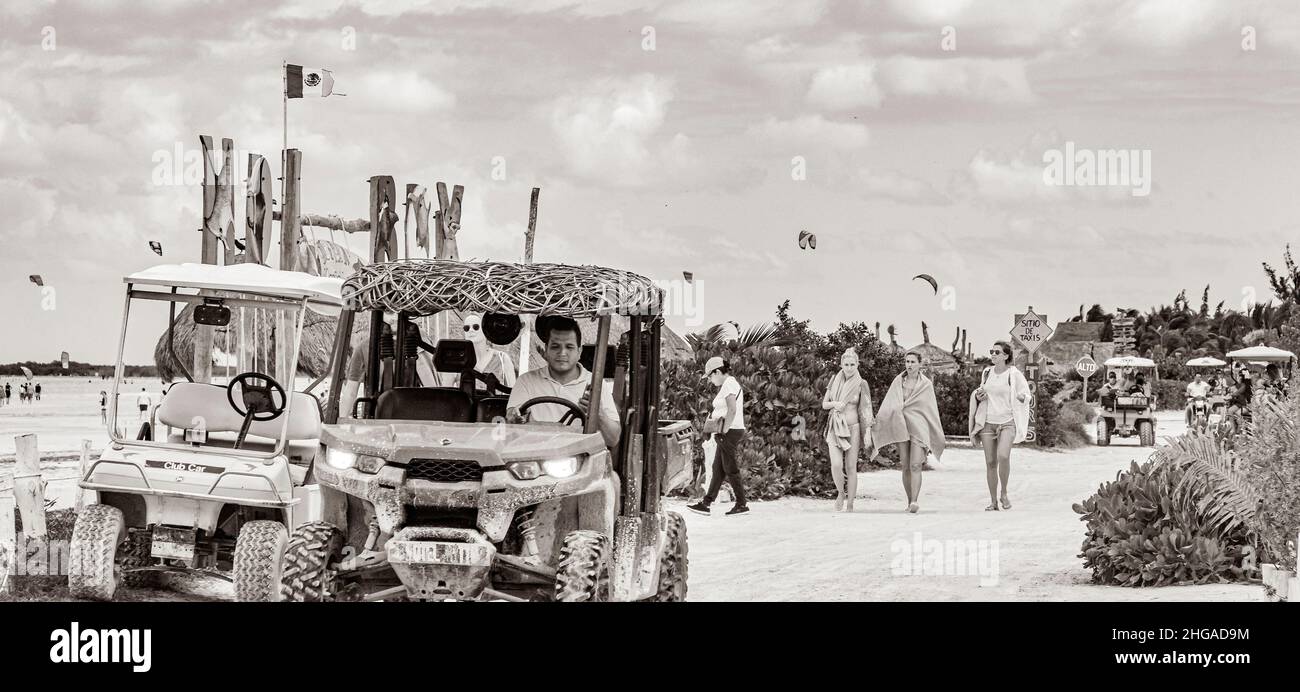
(563, 376)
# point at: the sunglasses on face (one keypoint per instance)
(996, 352)
(471, 327)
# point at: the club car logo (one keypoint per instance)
(183, 466)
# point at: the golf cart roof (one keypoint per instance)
(426, 287)
(258, 279)
(1129, 362)
(1206, 362)
(1262, 353)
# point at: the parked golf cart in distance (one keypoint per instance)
(215, 486)
(430, 495)
(1126, 415)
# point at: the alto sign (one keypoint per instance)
(1086, 367)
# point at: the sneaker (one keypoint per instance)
(738, 509)
(699, 508)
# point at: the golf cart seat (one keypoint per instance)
(425, 403)
(186, 401)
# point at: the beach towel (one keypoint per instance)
(1019, 409)
(916, 418)
(839, 427)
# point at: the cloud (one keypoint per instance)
(843, 87)
(898, 187)
(609, 130)
(1019, 178)
(970, 79)
(810, 131)
(404, 92)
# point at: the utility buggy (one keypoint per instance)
(1127, 414)
(428, 494)
(214, 479)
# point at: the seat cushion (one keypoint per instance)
(186, 401)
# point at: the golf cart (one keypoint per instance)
(1127, 414)
(214, 479)
(429, 494)
(1202, 409)
(1263, 356)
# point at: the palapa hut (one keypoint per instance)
(934, 357)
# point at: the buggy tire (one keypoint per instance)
(1146, 433)
(259, 555)
(584, 566)
(137, 551)
(307, 574)
(673, 562)
(92, 557)
(1103, 431)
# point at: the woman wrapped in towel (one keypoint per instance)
(909, 420)
(848, 427)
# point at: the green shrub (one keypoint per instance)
(1270, 458)
(1139, 533)
(1073, 422)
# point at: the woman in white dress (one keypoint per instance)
(999, 415)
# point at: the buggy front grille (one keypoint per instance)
(444, 471)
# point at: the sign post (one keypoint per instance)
(1030, 332)
(1085, 366)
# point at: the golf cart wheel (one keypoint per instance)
(137, 551)
(583, 573)
(672, 563)
(1103, 431)
(307, 575)
(258, 554)
(1146, 433)
(92, 557)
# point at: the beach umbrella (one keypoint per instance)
(930, 280)
(36, 279)
(156, 247)
(27, 372)
(64, 359)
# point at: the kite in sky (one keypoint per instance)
(930, 280)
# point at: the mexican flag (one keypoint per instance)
(302, 81)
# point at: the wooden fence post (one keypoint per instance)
(85, 497)
(29, 493)
(8, 535)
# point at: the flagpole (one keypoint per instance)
(284, 140)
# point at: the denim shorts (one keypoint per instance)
(994, 430)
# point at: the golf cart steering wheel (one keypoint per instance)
(574, 413)
(259, 395)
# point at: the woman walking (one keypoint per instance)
(848, 427)
(999, 415)
(727, 425)
(909, 420)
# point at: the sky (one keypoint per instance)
(910, 136)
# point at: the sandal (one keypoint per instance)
(1006, 503)
(991, 508)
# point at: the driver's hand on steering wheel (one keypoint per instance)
(513, 416)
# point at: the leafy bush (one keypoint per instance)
(1270, 461)
(1073, 422)
(1171, 395)
(1140, 533)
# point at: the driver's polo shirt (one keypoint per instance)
(539, 382)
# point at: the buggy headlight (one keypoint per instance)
(560, 468)
(340, 459)
(525, 470)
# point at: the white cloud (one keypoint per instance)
(811, 131)
(607, 130)
(898, 187)
(972, 79)
(405, 92)
(843, 87)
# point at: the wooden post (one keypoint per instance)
(85, 497)
(526, 336)
(290, 232)
(29, 493)
(201, 368)
(406, 221)
(8, 536)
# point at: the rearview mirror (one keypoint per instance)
(211, 315)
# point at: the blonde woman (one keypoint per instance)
(848, 427)
(909, 420)
(999, 415)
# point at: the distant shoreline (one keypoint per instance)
(75, 369)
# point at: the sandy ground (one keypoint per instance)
(799, 549)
